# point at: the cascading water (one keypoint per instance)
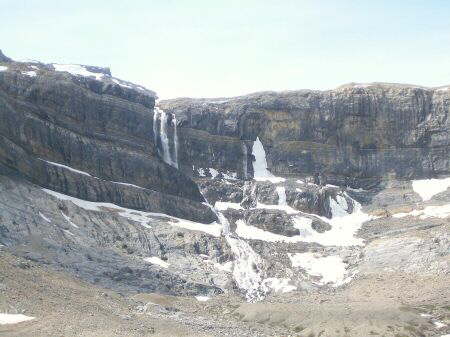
(281, 191)
(156, 113)
(175, 141)
(244, 162)
(170, 157)
(165, 139)
(247, 269)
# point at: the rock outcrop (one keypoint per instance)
(79, 131)
(355, 135)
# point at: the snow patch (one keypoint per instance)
(330, 269)
(223, 205)
(213, 229)
(31, 73)
(439, 325)
(427, 188)
(13, 318)
(202, 298)
(342, 233)
(122, 84)
(3, 68)
(44, 217)
(428, 212)
(66, 167)
(156, 260)
(279, 284)
(260, 171)
(201, 172)
(214, 173)
(87, 174)
(78, 70)
(131, 214)
(227, 266)
(69, 220)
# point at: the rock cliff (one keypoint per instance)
(356, 134)
(79, 131)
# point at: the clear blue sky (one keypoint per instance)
(212, 48)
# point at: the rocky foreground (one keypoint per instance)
(275, 214)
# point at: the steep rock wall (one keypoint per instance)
(99, 127)
(370, 132)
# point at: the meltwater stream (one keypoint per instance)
(170, 157)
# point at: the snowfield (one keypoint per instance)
(13, 318)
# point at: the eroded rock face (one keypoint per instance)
(100, 129)
(274, 221)
(356, 135)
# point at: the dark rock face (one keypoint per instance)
(274, 221)
(3, 58)
(355, 135)
(220, 190)
(99, 126)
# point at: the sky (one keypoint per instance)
(219, 48)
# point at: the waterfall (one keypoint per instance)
(175, 141)
(281, 191)
(247, 269)
(165, 139)
(169, 157)
(260, 164)
(156, 113)
(244, 162)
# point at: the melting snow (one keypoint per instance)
(87, 174)
(429, 211)
(78, 70)
(439, 325)
(13, 318)
(279, 284)
(260, 171)
(247, 269)
(343, 227)
(138, 216)
(69, 220)
(67, 167)
(227, 266)
(331, 269)
(156, 260)
(3, 68)
(427, 188)
(213, 229)
(44, 217)
(201, 172)
(214, 173)
(122, 84)
(281, 191)
(222, 205)
(29, 73)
